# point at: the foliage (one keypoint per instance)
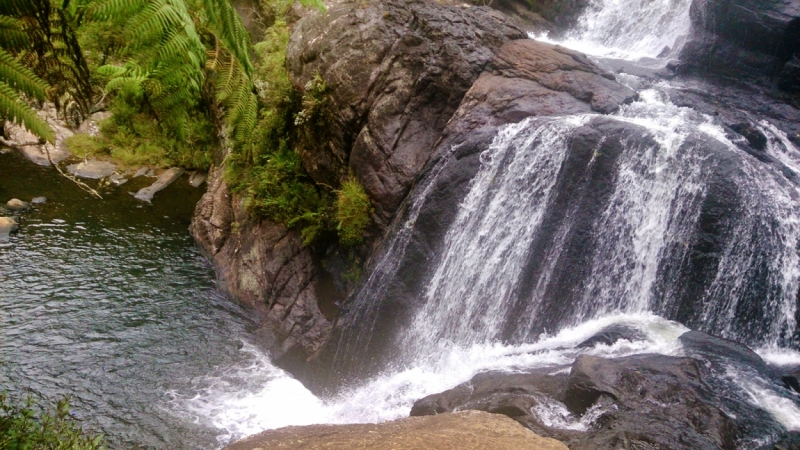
(16, 79)
(27, 427)
(134, 137)
(353, 210)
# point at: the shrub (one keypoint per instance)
(28, 427)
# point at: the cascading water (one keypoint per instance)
(666, 218)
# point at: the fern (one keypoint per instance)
(16, 79)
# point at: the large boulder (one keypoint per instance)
(264, 267)
(470, 430)
(526, 78)
(751, 37)
(396, 71)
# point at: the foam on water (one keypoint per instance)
(246, 400)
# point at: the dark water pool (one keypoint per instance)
(110, 302)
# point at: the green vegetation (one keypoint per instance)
(352, 212)
(26, 426)
(176, 74)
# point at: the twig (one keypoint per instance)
(72, 178)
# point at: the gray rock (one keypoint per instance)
(91, 126)
(16, 204)
(118, 179)
(141, 172)
(197, 179)
(38, 200)
(93, 169)
(7, 225)
(165, 179)
(30, 146)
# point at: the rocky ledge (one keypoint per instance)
(470, 430)
(640, 401)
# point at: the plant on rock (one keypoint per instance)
(353, 210)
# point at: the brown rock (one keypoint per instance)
(16, 204)
(264, 267)
(467, 430)
(7, 225)
(396, 70)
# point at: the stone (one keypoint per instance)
(7, 225)
(468, 430)
(91, 125)
(637, 401)
(613, 333)
(38, 152)
(38, 200)
(197, 179)
(16, 204)
(264, 267)
(396, 72)
(118, 179)
(92, 169)
(165, 179)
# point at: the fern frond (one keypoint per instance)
(19, 77)
(13, 109)
(11, 35)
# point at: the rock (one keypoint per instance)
(396, 71)
(197, 179)
(38, 200)
(556, 16)
(790, 376)
(264, 267)
(118, 179)
(165, 179)
(469, 430)
(638, 401)
(16, 204)
(613, 333)
(93, 169)
(143, 171)
(722, 351)
(743, 37)
(31, 147)
(91, 126)
(7, 225)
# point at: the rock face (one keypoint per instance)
(754, 37)
(525, 79)
(470, 430)
(396, 72)
(264, 267)
(640, 401)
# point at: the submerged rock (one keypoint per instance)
(197, 179)
(469, 430)
(93, 169)
(613, 333)
(7, 225)
(163, 180)
(16, 204)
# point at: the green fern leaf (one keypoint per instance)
(13, 109)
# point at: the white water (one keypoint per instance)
(454, 337)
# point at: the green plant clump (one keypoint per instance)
(26, 427)
(353, 210)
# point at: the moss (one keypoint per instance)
(353, 210)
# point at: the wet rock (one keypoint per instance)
(197, 179)
(638, 401)
(613, 333)
(754, 136)
(721, 351)
(790, 376)
(165, 179)
(16, 204)
(93, 169)
(143, 171)
(556, 16)
(7, 225)
(743, 37)
(469, 430)
(396, 72)
(38, 200)
(118, 179)
(266, 268)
